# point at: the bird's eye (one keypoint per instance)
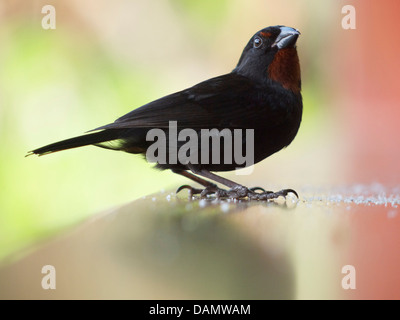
(257, 42)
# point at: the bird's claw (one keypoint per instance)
(212, 189)
(254, 189)
(239, 192)
(192, 190)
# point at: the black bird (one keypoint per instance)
(261, 93)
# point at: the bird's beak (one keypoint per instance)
(287, 38)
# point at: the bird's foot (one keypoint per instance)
(242, 192)
(239, 192)
(211, 189)
(270, 195)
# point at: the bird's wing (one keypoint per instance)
(230, 101)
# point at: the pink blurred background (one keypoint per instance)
(370, 72)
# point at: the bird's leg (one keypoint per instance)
(210, 188)
(238, 191)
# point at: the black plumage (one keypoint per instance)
(262, 93)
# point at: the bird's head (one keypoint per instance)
(271, 55)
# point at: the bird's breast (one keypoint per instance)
(285, 69)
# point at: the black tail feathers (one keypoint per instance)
(84, 140)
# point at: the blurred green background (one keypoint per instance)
(107, 57)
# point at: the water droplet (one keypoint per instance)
(224, 207)
(202, 203)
